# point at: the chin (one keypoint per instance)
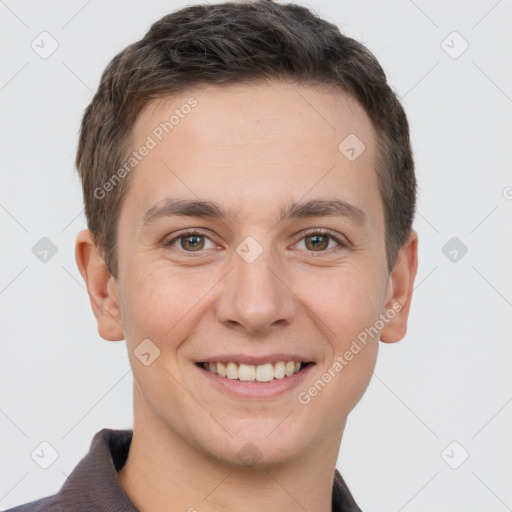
(253, 447)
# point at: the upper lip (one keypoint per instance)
(255, 360)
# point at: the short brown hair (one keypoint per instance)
(229, 43)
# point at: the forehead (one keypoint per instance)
(255, 147)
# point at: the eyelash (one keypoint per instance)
(318, 231)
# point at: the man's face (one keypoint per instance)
(251, 284)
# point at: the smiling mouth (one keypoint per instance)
(255, 373)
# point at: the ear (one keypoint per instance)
(101, 286)
(399, 291)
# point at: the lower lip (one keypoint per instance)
(243, 389)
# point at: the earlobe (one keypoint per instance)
(400, 290)
(101, 287)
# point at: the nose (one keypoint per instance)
(255, 296)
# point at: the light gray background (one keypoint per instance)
(448, 380)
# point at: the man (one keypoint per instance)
(249, 190)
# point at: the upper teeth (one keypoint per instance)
(249, 372)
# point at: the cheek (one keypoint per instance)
(162, 305)
(347, 306)
(346, 301)
(349, 374)
(163, 302)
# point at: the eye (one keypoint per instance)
(190, 241)
(319, 240)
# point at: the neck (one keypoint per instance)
(165, 471)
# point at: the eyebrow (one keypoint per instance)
(208, 209)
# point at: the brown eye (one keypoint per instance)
(317, 242)
(192, 242)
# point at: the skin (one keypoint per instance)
(253, 149)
